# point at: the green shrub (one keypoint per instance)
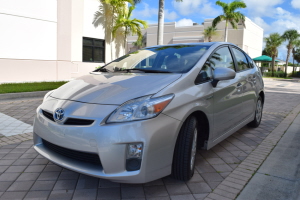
(296, 74)
(279, 74)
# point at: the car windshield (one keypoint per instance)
(161, 59)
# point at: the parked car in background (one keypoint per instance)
(143, 116)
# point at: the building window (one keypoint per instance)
(93, 50)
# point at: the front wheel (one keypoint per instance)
(185, 150)
(258, 114)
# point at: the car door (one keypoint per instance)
(247, 79)
(227, 94)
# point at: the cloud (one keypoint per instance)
(283, 20)
(184, 22)
(260, 22)
(202, 7)
(296, 4)
(207, 9)
(148, 12)
(187, 7)
(261, 8)
(170, 15)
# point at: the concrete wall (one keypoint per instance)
(42, 39)
(27, 32)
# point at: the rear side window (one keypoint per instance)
(221, 58)
(242, 63)
(251, 62)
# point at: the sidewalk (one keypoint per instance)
(279, 176)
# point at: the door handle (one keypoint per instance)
(238, 87)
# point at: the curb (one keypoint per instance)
(290, 80)
(22, 95)
(232, 185)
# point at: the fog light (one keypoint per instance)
(134, 156)
(135, 150)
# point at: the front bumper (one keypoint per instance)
(109, 141)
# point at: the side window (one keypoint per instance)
(241, 60)
(221, 58)
(204, 75)
(251, 62)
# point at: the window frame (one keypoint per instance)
(211, 68)
(93, 49)
(235, 60)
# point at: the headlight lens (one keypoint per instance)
(141, 108)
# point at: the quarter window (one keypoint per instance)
(221, 58)
(242, 63)
(93, 50)
(251, 62)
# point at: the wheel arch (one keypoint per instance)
(262, 95)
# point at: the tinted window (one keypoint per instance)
(176, 59)
(221, 58)
(250, 61)
(204, 75)
(93, 50)
(242, 63)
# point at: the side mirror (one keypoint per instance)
(222, 74)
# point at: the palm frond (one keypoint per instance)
(218, 20)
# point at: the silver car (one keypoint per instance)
(143, 116)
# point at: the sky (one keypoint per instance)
(271, 15)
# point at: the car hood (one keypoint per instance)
(113, 89)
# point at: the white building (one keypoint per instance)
(48, 40)
(249, 38)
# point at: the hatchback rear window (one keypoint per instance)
(173, 59)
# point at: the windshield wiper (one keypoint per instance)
(103, 70)
(146, 70)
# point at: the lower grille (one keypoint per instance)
(76, 155)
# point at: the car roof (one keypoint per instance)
(196, 43)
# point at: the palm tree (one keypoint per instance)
(272, 44)
(160, 30)
(297, 45)
(230, 15)
(209, 32)
(291, 37)
(126, 25)
(107, 15)
(140, 43)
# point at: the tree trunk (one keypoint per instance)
(125, 40)
(209, 39)
(287, 62)
(273, 64)
(160, 30)
(293, 61)
(226, 31)
(112, 37)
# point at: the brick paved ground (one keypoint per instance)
(25, 174)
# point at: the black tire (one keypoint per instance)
(182, 169)
(256, 122)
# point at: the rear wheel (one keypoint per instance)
(258, 114)
(185, 150)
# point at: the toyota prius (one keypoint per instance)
(144, 115)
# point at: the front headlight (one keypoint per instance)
(140, 108)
